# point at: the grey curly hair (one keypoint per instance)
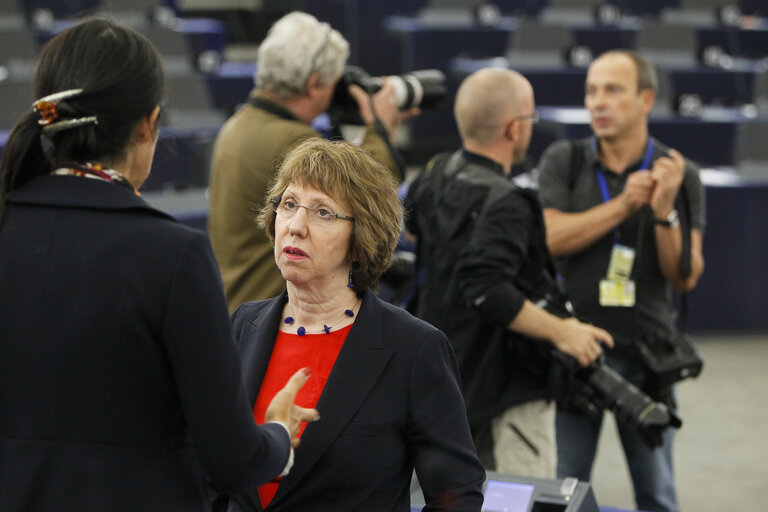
(296, 46)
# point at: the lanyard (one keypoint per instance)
(600, 173)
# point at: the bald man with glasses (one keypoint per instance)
(488, 277)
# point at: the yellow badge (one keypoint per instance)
(620, 266)
(617, 293)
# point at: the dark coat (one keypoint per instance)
(392, 403)
(120, 383)
(482, 248)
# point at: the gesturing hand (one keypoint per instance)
(282, 407)
(667, 174)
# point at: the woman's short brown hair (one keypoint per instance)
(350, 176)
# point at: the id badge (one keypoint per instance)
(620, 265)
(617, 293)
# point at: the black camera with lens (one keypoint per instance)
(597, 386)
(424, 89)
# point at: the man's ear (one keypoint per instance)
(313, 82)
(648, 97)
(512, 129)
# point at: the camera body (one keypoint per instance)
(670, 357)
(424, 89)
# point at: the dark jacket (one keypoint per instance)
(120, 383)
(481, 244)
(392, 403)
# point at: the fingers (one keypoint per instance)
(296, 382)
(357, 93)
(299, 416)
(638, 189)
(305, 414)
(677, 158)
(411, 112)
(363, 101)
(602, 336)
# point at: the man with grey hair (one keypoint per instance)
(488, 276)
(613, 205)
(299, 63)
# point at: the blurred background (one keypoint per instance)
(712, 58)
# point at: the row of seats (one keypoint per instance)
(724, 104)
(201, 100)
(557, 8)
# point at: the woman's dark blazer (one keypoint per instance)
(392, 403)
(120, 385)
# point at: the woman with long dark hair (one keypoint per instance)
(120, 385)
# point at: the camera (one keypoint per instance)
(600, 387)
(670, 357)
(424, 89)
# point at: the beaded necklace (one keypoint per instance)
(301, 331)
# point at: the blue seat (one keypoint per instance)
(426, 45)
(645, 7)
(372, 46)
(714, 86)
(747, 43)
(602, 39)
(561, 86)
(229, 87)
(182, 158)
(62, 9)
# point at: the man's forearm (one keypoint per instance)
(569, 233)
(669, 250)
(535, 322)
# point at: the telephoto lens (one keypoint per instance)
(597, 386)
(631, 406)
(424, 89)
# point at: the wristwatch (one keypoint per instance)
(672, 220)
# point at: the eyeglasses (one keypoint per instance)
(319, 216)
(534, 117)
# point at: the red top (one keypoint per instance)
(290, 354)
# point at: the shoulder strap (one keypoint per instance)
(271, 108)
(686, 225)
(577, 160)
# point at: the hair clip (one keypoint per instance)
(66, 124)
(47, 106)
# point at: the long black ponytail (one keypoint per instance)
(121, 75)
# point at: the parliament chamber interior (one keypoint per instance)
(712, 103)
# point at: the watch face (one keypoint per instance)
(673, 218)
